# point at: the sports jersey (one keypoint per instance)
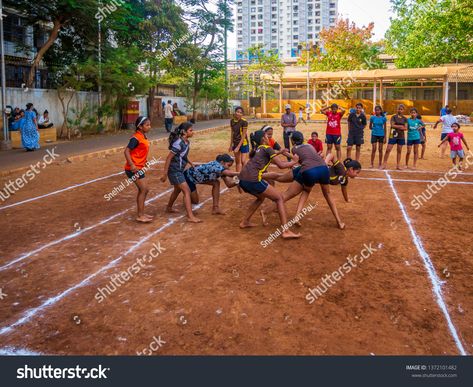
(139, 148)
(258, 164)
(308, 157)
(338, 174)
(237, 131)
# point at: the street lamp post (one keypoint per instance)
(307, 105)
(225, 103)
(308, 48)
(6, 143)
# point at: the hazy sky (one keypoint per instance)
(362, 12)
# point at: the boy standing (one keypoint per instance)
(356, 131)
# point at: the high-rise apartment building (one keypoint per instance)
(281, 24)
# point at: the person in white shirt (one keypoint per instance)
(168, 116)
(448, 120)
(43, 121)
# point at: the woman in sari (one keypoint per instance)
(29, 130)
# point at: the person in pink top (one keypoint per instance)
(456, 148)
(334, 128)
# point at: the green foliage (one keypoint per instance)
(84, 120)
(263, 63)
(345, 47)
(431, 32)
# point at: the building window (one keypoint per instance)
(14, 29)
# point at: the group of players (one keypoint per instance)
(305, 167)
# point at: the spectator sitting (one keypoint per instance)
(16, 124)
(175, 109)
(43, 122)
(13, 114)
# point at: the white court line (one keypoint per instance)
(64, 189)
(12, 351)
(75, 234)
(414, 181)
(59, 191)
(30, 313)
(415, 171)
(434, 279)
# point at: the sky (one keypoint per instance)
(362, 12)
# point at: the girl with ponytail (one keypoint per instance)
(313, 170)
(341, 172)
(251, 180)
(174, 167)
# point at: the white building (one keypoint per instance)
(281, 24)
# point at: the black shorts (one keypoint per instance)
(140, 174)
(377, 139)
(355, 139)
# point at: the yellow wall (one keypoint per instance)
(427, 108)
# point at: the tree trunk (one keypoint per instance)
(194, 98)
(39, 56)
(151, 95)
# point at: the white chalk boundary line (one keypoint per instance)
(64, 190)
(414, 181)
(24, 256)
(415, 171)
(12, 351)
(60, 191)
(434, 279)
(30, 313)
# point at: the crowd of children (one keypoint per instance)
(305, 164)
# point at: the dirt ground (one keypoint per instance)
(214, 289)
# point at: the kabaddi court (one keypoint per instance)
(215, 290)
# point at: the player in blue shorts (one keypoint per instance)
(252, 182)
(312, 170)
(414, 137)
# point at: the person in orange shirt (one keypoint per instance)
(136, 155)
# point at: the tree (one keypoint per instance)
(345, 47)
(207, 27)
(73, 14)
(74, 79)
(431, 32)
(163, 31)
(261, 62)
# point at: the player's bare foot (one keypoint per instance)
(217, 211)
(290, 235)
(171, 210)
(143, 219)
(382, 166)
(371, 166)
(149, 216)
(341, 226)
(399, 168)
(194, 220)
(246, 224)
